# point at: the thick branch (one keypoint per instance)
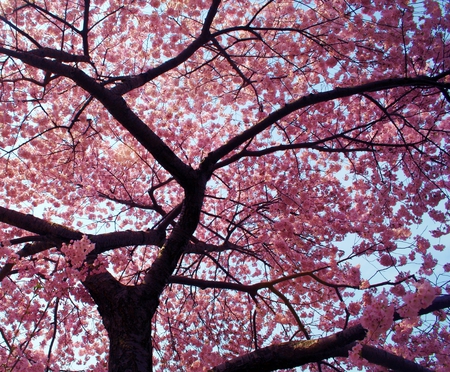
(309, 100)
(388, 360)
(158, 274)
(59, 55)
(103, 242)
(117, 107)
(439, 303)
(200, 247)
(53, 235)
(134, 82)
(297, 353)
(108, 241)
(294, 353)
(37, 225)
(27, 250)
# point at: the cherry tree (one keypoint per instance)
(244, 185)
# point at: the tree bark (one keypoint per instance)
(391, 361)
(297, 353)
(126, 317)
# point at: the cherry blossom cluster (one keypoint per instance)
(378, 314)
(366, 166)
(420, 299)
(77, 251)
(355, 358)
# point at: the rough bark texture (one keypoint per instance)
(293, 354)
(125, 315)
(298, 353)
(390, 361)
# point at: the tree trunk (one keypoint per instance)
(127, 318)
(130, 350)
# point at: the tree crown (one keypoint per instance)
(222, 178)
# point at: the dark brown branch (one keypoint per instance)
(134, 82)
(292, 310)
(203, 284)
(55, 330)
(297, 146)
(103, 243)
(439, 303)
(233, 64)
(127, 202)
(59, 55)
(85, 30)
(53, 235)
(14, 27)
(51, 232)
(118, 108)
(37, 225)
(294, 353)
(312, 99)
(27, 250)
(297, 353)
(388, 360)
(157, 276)
(51, 15)
(200, 247)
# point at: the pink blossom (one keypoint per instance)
(378, 316)
(251, 173)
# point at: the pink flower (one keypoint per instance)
(355, 357)
(387, 260)
(378, 316)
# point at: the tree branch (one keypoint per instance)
(200, 247)
(37, 225)
(439, 303)
(133, 82)
(176, 279)
(297, 353)
(421, 81)
(53, 235)
(388, 360)
(118, 108)
(59, 55)
(294, 353)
